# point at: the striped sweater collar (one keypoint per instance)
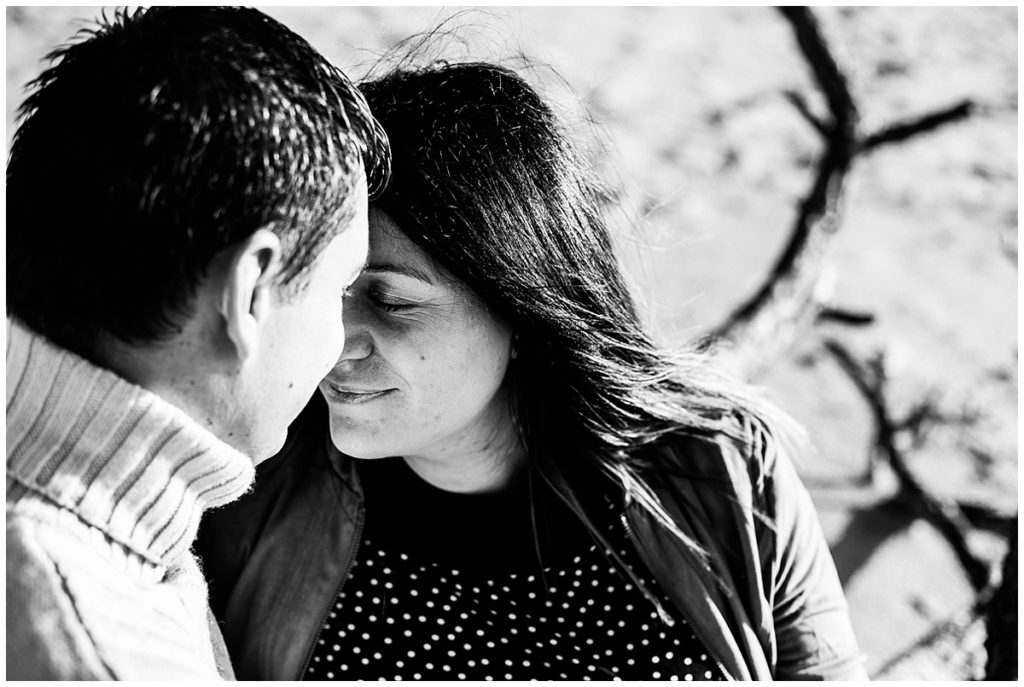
(123, 460)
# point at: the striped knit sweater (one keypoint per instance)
(106, 484)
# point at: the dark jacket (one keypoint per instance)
(769, 606)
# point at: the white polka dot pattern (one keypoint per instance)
(399, 618)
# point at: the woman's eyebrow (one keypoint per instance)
(407, 270)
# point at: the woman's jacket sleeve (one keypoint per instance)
(814, 636)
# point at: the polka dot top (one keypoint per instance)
(501, 586)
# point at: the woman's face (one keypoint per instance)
(424, 362)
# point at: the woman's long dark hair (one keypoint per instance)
(488, 184)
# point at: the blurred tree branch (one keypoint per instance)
(795, 293)
(870, 379)
(1001, 622)
(798, 101)
(795, 296)
(828, 313)
(997, 594)
(901, 131)
(953, 626)
(763, 326)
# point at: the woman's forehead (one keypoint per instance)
(391, 250)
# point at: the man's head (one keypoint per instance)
(186, 199)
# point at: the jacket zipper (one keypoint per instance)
(360, 523)
(637, 544)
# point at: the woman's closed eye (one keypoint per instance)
(388, 301)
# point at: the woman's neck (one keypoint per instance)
(481, 459)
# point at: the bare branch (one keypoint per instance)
(901, 131)
(926, 414)
(800, 103)
(954, 625)
(844, 316)
(786, 300)
(860, 376)
(945, 515)
(1001, 622)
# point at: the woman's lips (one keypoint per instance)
(343, 394)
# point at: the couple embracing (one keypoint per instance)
(400, 301)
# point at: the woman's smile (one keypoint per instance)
(341, 393)
(412, 329)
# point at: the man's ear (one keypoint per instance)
(252, 268)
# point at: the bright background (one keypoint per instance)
(712, 161)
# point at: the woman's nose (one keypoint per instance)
(358, 340)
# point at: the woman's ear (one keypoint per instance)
(252, 268)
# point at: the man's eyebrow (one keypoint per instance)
(407, 270)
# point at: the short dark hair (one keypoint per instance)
(158, 139)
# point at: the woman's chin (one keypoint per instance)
(353, 444)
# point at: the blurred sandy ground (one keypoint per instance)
(711, 161)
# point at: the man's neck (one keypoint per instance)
(175, 371)
(119, 457)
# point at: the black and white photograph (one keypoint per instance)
(558, 343)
